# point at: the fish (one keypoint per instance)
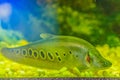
(58, 51)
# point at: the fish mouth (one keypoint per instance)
(105, 65)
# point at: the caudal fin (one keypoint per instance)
(3, 45)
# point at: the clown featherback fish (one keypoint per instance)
(56, 52)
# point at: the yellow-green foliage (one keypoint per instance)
(11, 69)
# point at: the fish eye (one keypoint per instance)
(88, 58)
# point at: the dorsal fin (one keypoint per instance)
(46, 35)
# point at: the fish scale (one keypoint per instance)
(56, 52)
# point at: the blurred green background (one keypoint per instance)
(94, 20)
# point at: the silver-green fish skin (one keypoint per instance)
(56, 52)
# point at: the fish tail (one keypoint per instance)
(1, 50)
(3, 45)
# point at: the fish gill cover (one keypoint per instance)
(96, 21)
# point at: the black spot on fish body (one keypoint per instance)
(64, 54)
(12, 51)
(70, 52)
(56, 53)
(17, 51)
(42, 55)
(24, 52)
(35, 54)
(50, 56)
(76, 55)
(59, 59)
(30, 51)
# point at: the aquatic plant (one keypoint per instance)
(9, 37)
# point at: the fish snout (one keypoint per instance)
(102, 64)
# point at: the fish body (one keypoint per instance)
(56, 52)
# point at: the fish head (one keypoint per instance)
(95, 61)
